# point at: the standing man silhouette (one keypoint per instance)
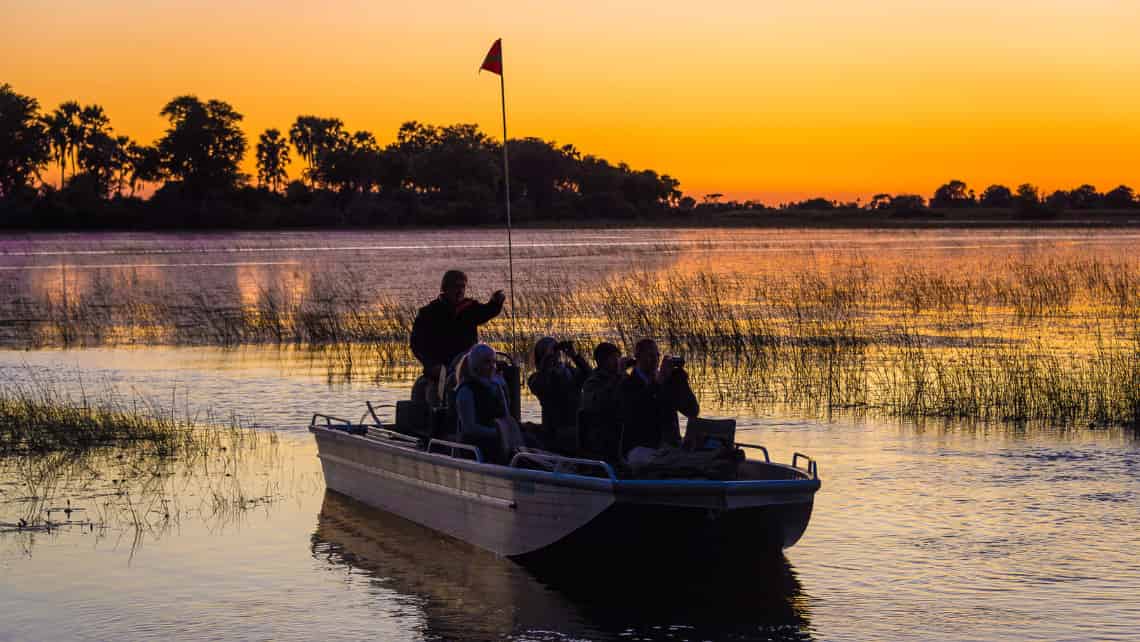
(449, 325)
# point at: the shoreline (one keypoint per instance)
(772, 220)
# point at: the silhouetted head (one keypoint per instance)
(542, 347)
(453, 287)
(647, 355)
(481, 360)
(607, 356)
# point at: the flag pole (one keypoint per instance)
(507, 190)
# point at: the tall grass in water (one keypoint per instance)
(39, 417)
(1016, 384)
(1033, 338)
(102, 464)
(691, 307)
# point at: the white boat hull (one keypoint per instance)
(518, 512)
(507, 515)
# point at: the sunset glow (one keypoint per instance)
(768, 100)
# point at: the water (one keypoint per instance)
(932, 530)
(123, 288)
(918, 533)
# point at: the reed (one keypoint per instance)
(1043, 338)
(37, 416)
(694, 306)
(133, 494)
(103, 465)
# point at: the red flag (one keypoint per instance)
(494, 60)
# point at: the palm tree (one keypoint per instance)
(70, 111)
(145, 165)
(56, 127)
(272, 157)
(64, 135)
(303, 136)
(122, 162)
(97, 150)
(93, 121)
(100, 158)
(314, 137)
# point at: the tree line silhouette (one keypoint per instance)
(430, 175)
(1025, 201)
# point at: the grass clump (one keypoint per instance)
(102, 465)
(40, 417)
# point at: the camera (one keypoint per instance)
(565, 346)
(678, 363)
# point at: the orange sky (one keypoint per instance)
(772, 100)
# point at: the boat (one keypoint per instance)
(552, 506)
(460, 592)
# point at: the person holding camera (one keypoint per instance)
(557, 384)
(651, 396)
(598, 424)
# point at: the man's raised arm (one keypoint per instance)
(480, 313)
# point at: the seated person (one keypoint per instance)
(600, 427)
(557, 384)
(651, 396)
(484, 417)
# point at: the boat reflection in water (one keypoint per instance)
(466, 593)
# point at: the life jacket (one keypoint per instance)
(489, 403)
(489, 406)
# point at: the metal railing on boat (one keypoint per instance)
(812, 468)
(372, 411)
(557, 463)
(329, 419)
(366, 431)
(435, 444)
(767, 459)
(547, 461)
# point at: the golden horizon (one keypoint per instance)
(768, 103)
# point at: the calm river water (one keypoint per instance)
(922, 531)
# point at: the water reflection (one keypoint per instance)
(118, 289)
(468, 594)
